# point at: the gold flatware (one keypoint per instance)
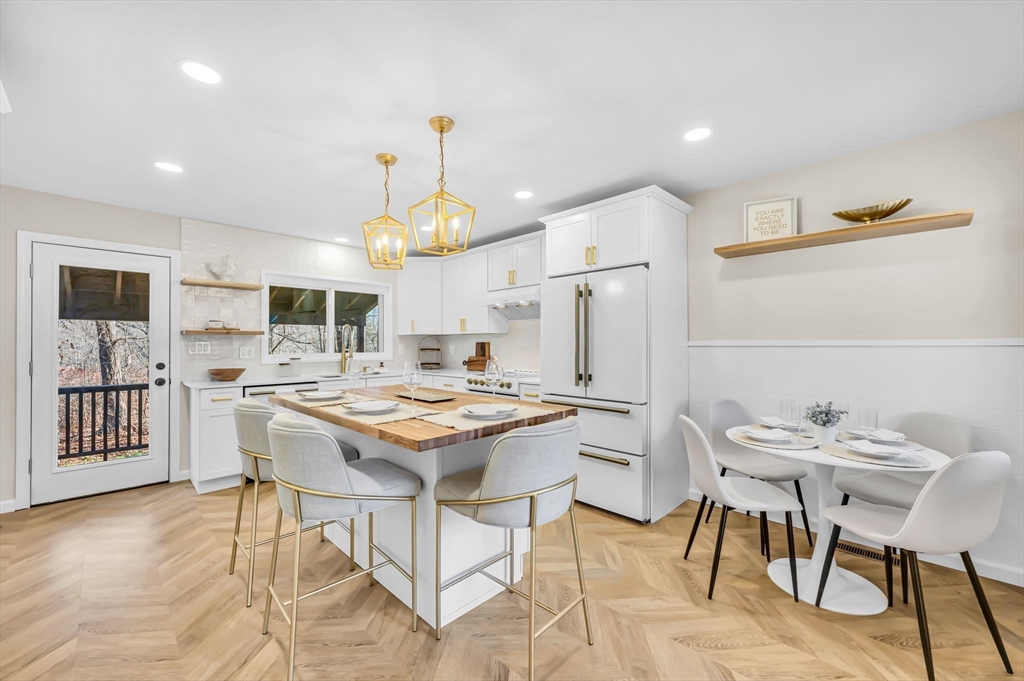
(874, 213)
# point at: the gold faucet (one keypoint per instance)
(346, 351)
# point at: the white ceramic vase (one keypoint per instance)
(825, 434)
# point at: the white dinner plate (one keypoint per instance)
(876, 440)
(373, 406)
(488, 411)
(874, 450)
(773, 435)
(321, 395)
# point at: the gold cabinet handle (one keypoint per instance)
(616, 410)
(587, 376)
(531, 394)
(462, 324)
(586, 255)
(448, 385)
(226, 398)
(253, 393)
(513, 277)
(602, 457)
(413, 324)
(593, 255)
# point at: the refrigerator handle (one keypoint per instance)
(576, 375)
(587, 376)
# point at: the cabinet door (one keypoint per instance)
(453, 284)
(427, 313)
(615, 339)
(218, 455)
(620, 234)
(568, 243)
(561, 328)
(405, 299)
(477, 313)
(526, 263)
(500, 263)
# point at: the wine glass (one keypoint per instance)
(412, 378)
(868, 420)
(797, 409)
(785, 411)
(352, 372)
(493, 374)
(845, 422)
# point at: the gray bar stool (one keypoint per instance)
(251, 419)
(529, 480)
(314, 482)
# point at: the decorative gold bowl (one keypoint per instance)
(873, 213)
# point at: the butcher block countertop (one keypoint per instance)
(416, 434)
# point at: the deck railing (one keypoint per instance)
(100, 420)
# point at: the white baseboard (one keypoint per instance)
(8, 505)
(178, 476)
(207, 486)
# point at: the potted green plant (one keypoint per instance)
(825, 418)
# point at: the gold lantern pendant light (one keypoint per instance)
(386, 237)
(448, 219)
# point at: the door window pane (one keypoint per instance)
(298, 321)
(361, 311)
(103, 366)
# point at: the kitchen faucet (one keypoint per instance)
(346, 351)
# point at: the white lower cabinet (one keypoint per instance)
(529, 393)
(214, 462)
(614, 481)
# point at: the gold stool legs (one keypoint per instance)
(412, 531)
(437, 573)
(369, 545)
(351, 544)
(273, 568)
(533, 582)
(579, 571)
(238, 525)
(295, 587)
(252, 533)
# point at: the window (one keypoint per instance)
(306, 317)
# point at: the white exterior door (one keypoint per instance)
(561, 331)
(616, 335)
(100, 355)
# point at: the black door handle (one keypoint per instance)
(160, 381)
(160, 366)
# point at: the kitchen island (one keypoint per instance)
(432, 452)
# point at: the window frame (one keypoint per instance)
(330, 285)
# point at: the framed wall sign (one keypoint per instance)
(770, 219)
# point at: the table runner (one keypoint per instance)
(455, 419)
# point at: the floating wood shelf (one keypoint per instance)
(213, 283)
(220, 332)
(874, 230)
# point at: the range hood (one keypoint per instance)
(517, 305)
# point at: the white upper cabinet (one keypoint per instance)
(518, 264)
(569, 241)
(465, 309)
(419, 298)
(453, 285)
(611, 235)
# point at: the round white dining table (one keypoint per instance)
(845, 592)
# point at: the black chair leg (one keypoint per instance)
(792, 555)
(904, 577)
(712, 506)
(696, 524)
(829, 555)
(718, 551)
(888, 574)
(760, 527)
(986, 610)
(803, 512)
(922, 617)
(767, 539)
(845, 501)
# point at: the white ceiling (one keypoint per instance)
(574, 101)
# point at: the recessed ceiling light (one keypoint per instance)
(169, 167)
(697, 134)
(523, 195)
(341, 240)
(199, 71)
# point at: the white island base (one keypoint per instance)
(465, 544)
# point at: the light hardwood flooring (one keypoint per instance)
(135, 585)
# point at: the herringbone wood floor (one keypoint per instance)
(135, 585)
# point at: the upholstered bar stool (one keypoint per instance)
(958, 509)
(251, 419)
(742, 494)
(726, 414)
(314, 482)
(529, 480)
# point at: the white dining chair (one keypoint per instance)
(315, 482)
(940, 432)
(251, 419)
(956, 511)
(529, 480)
(726, 414)
(742, 494)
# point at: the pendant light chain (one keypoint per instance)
(387, 195)
(440, 180)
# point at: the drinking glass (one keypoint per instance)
(797, 409)
(868, 419)
(352, 372)
(492, 375)
(845, 422)
(785, 410)
(412, 378)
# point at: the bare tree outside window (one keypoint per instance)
(298, 321)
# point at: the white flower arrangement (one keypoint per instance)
(825, 415)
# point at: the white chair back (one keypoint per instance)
(703, 468)
(726, 414)
(940, 432)
(959, 507)
(251, 419)
(527, 460)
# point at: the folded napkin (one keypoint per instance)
(886, 434)
(773, 434)
(866, 447)
(771, 421)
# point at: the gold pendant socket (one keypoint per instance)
(442, 124)
(387, 159)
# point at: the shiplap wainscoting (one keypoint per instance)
(980, 382)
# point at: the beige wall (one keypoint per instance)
(966, 282)
(21, 209)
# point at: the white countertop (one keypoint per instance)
(244, 382)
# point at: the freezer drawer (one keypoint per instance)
(613, 481)
(609, 425)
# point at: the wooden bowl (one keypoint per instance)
(874, 213)
(225, 374)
